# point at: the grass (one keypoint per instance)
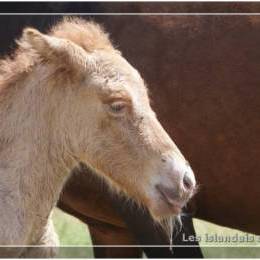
(71, 231)
(246, 245)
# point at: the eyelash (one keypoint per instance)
(117, 108)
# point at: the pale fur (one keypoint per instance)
(56, 94)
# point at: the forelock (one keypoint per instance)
(87, 34)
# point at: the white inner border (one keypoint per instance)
(136, 14)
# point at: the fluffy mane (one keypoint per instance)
(87, 34)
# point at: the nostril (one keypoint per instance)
(187, 182)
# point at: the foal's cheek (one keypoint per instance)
(104, 124)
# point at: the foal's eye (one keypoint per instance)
(117, 107)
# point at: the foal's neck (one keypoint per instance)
(27, 151)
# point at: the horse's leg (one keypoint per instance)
(146, 232)
(48, 243)
(181, 248)
(190, 249)
(106, 234)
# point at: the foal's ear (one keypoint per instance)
(59, 50)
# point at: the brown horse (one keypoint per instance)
(203, 72)
(207, 67)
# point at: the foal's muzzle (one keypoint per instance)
(177, 184)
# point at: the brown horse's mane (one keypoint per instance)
(86, 34)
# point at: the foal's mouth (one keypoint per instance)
(174, 205)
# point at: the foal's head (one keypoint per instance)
(103, 115)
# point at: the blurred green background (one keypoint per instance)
(72, 231)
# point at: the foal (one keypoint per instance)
(68, 97)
